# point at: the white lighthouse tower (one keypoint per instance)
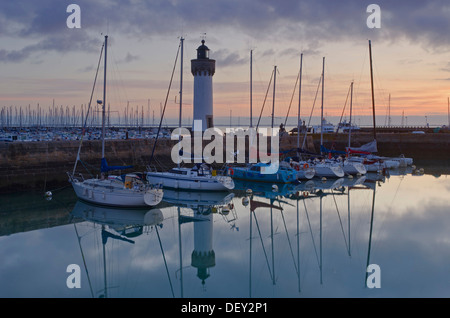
(203, 69)
(203, 256)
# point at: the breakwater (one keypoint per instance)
(43, 165)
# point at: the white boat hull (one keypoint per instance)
(104, 192)
(328, 170)
(354, 168)
(174, 181)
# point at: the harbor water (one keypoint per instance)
(370, 236)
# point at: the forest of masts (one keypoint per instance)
(72, 116)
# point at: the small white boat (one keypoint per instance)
(328, 128)
(199, 177)
(353, 167)
(119, 191)
(327, 169)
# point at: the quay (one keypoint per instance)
(44, 165)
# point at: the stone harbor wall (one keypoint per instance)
(43, 165)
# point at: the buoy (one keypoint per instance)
(249, 191)
(274, 188)
(413, 167)
(245, 201)
(48, 194)
(324, 179)
(305, 166)
(350, 176)
(421, 170)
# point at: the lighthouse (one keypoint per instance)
(203, 256)
(203, 69)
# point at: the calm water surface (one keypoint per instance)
(313, 240)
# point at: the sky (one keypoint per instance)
(43, 61)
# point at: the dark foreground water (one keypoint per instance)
(316, 240)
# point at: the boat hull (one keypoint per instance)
(103, 192)
(354, 168)
(242, 173)
(174, 181)
(329, 171)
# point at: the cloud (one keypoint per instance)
(311, 23)
(226, 58)
(63, 43)
(128, 58)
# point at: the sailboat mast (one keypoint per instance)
(299, 101)
(181, 90)
(251, 88)
(181, 83)
(273, 101)
(321, 112)
(350, 121)
(389, 111)
(104, 100)
(373, 96)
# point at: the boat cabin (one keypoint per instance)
(132, 181)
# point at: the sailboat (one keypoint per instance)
(259, 171)
(326, 168)
(304, 171)
(200, 176)
(129, 190)
(374, 163)
(351, 167)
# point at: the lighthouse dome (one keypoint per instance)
(203, 51)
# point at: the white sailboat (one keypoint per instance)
(304, 170)
(352, 167)
(130, 190)
(199, 177)
(326, 168)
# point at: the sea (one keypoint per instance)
(379, 235)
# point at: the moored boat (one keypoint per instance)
(130, 190)
(199, 177)
(258, 172)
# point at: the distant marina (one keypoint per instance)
(36, 133)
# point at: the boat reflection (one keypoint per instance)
(121, 224)
(270, 220)
(280, 203)
(127, 222)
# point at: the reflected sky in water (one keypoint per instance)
(313, 240)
